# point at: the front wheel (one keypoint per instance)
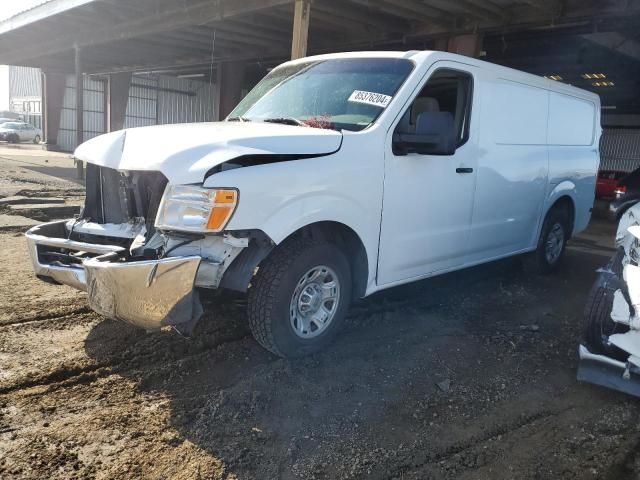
(299, 297)
(551, 244)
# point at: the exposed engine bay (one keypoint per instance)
(611, 354)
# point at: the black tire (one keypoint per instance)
(273, 288)
(537, 262)
(13, 139)
(598, 325)
(36, 139)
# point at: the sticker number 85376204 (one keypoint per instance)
(370, 98)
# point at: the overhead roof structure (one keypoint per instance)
(143, 35)
(232, 43)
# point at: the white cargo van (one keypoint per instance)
(337, 176)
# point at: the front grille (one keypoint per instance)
(119, 197)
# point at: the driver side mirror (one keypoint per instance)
(434, 135)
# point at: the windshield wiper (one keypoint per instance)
(286, 121)
(238, 119)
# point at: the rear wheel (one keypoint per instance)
(36, 139)
(299, 297)
(551, 245)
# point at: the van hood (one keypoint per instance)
(185, 153)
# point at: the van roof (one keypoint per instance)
(434, 55)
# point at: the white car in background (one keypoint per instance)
(16, 132)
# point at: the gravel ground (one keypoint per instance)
(468, 375)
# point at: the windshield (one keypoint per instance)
(339, 93)
(9, 125)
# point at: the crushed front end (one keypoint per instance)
(131, 270)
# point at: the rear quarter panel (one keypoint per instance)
(574, 135)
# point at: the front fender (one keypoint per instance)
(314, 208)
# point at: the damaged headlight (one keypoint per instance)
(196, 209)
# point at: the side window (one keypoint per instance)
(446, 98)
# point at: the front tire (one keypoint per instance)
(598, 325)
(554, 234)
(300, 296)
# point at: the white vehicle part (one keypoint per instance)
(625, 238)
(634, 360)
(631, 275)
(630, 218)
(185, 153)
(635, 231)
(620, 312)
(629, 342)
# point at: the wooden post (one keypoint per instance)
(79, 109)
(53, 87)
(230, 80)
(117, 95)
(300, 29)
(469, 45)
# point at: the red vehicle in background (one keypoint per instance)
(607, 183)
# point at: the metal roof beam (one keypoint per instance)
(484, 11)
(40, 12)
(184, 16)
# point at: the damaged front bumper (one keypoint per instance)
(608, 372)
(149, 294)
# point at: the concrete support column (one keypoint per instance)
(469, 45)
(300, 38)
(53, 86)
(117, 98)
(230, 83)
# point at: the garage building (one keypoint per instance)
(148, 62)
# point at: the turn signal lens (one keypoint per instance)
(224, 204)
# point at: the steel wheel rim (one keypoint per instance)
(554, 243)
(314, 302)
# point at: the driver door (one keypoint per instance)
(428, 199)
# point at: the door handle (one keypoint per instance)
(464, 170)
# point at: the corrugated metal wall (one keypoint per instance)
(24, 82)
(93, 112)
(620, 149)
(161, 100)
(184, 101)
(152, 100)
(142, 108)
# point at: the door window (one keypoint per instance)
(446, 91)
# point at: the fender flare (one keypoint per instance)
(566, 188)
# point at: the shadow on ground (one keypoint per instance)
(466, 374)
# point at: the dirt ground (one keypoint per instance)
(468, 375)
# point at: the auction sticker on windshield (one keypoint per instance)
(370, 98)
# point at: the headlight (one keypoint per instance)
(196, 209)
